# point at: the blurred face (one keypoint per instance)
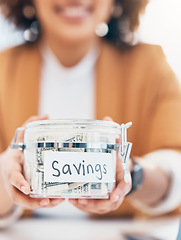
(72, 21)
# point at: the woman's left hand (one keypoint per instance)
(116, 198)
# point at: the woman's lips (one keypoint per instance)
(74, 12)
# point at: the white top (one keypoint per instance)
(70, 93)
(67, 92)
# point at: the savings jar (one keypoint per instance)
(72, 158)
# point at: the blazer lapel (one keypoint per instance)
(21, 90)
(109, 84)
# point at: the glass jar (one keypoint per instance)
(72, 158)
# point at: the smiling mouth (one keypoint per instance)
(74, 12)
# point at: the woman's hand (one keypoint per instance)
(12, 163)
(116, 198)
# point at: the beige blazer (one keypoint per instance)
(135, 85)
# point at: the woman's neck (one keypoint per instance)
(69, 54)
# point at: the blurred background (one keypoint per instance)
(160, 25)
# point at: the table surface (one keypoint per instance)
(66, 222)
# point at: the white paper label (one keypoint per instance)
(78, 167)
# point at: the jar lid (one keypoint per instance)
(82, 124)
(76, 122)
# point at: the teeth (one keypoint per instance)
(75, 12)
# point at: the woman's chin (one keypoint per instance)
(72, 37)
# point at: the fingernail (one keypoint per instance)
(83, 201)
(116, 198)
(44, 202)
(55, 202)
(24, 190)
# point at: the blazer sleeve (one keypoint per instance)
(163, 133)
(165, 119)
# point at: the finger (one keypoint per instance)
(18, 181)
(51, 202)
(96, 206)
(56, 201)
(33, 203)
(121, 190)
(79, 206)
(95, 209)
(117, 204)
(20, 137)
(93, 203)
(107, 118)
(28, 202)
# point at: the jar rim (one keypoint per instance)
(76, 122)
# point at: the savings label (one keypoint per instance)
(78, 167)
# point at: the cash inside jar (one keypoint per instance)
(71, 158)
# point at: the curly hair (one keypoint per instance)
(120, 26)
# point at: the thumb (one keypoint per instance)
(20, 137)
(107, 118)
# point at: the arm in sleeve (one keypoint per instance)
(168, 161)
(165, 117)
(17, 211)
(163, 135)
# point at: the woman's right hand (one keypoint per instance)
(12, 164)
